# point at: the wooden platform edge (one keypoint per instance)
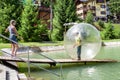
(3, 58)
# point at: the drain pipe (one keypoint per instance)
(7, 75)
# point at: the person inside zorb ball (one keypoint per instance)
(82, 41)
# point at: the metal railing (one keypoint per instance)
(28, 60)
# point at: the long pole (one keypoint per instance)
(51, 15)
(28, 63)
(51, 18)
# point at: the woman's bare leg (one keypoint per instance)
(13, 49)
(16, 48)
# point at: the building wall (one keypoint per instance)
(44, 12)
(79, 11)
(44, 15)
(99, 10)
(92, 6)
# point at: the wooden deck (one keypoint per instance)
(4, 58)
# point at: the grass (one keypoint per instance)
(113, 40)
(8, 45)
(4, 45)
(116, 26)
(43, 43)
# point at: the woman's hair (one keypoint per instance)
(12, 21)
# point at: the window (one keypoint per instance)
(93, 7)
(103, 6)
(94, 14)
(100, 1)
(103, 12)
(79, 8)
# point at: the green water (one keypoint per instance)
(91, 71)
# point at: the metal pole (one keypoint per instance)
(51, 18)
(51, 15)
(28, 63)
(61, 75)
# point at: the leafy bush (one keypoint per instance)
(108, 32)
(101, 24)
(89, 18)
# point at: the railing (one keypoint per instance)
(28, 60)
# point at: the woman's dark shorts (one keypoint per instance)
(13, 38)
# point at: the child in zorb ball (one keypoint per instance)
(86, 38)
(78, 45)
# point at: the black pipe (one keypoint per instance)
(7, 75)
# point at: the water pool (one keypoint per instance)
(78, 71)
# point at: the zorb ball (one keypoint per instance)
(90, 41)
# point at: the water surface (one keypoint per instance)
(78, 71)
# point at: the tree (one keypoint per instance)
(115, 8)
(108, 32)
(89, 18)
(101, 24)
(31, 27)
(64, 12)
(45, 3)
(9, 9)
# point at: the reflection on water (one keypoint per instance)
(88, 74)
(75, 75)
(91, 71)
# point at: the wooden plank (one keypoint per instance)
(2, 72)
(13, 75)
(3, 58)
(10, 64)
(22, 76)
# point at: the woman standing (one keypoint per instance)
(13, 33)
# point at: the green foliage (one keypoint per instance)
(108, 32)
(111, 31)
(64, 12)
(89, 17)
(39, 32)
(115, 6)
(45, 3)
(9, 9)
(116, 31)
(31, 27)
(101, 24)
